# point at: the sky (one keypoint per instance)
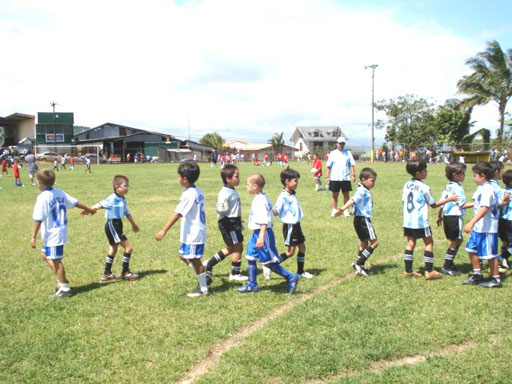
(245, 69)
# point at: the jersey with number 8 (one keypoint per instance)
(416, 199)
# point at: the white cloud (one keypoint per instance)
(243, 68)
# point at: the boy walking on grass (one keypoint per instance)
(363, 207)
(50, 215)
(451, 214)
(262, 245)
(505, 222)
(416, 198)
(229, 211)
(483, 241)
(193, 225)
(116, 208)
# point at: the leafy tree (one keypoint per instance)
(277, 141)
(213, 140)
(410, 121)
(452, 122)
(491, 80)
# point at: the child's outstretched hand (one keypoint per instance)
(454, 197)
(340, 211)
(160, 235)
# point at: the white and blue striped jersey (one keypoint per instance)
(453, 208)
(261, 212)
(416, 199)
(228, 203)
(191, 209)
(288, 208)
(498, 191)
(363, 201)
(340, 162)
(506, 210)
(485, 196)
(115, 207)
(51, 210)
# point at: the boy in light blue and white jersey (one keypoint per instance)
(288, 208)
(416, 199)
(450, 215)
(50, 215)
(193, 225)
(116, 209)
(505, 223)
(262, 245)
(498, 175)
(483, 242)
(363, 207)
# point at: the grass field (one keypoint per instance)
(338, 328)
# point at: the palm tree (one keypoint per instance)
(277, 141)
(491, 80)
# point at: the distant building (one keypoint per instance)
(16, 128)
(258, 150)
(54, 128)
(315, 139)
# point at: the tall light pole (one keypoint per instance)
(53, 104)
(373, 66)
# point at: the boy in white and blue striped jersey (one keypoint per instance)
(450, 215)
(116, 208)
(363, 207)
(505, 222)
(417, 198)
(288, 208)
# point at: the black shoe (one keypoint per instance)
(450, 272)
(493, 283)
(473, 280)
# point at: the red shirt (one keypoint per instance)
(285, 158)
(4, 165)
(222, 159)
(278, 157)
(16, 171)
(317, 164)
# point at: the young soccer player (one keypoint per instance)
(16, 173)
(362, 201)
(288, 208)
(55, 165)
(4, 167)
(116, 208)
(498, 175)
(50, 215)
(450, 214)
(193, 225)
(505, 222)
(316, 169)
(229, 211)
(262, 245)
(416, 198)
(483, 241)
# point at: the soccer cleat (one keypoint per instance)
(433, 275)
(360, 270)
(209, 280)
(473, 280)
(292, 283)
(249, 287)
(449, 272)
(61, 293)
(306, 275)
(266, 272)
(412, 274)
(208, 271)
(493, 283)
(129, 276)
(198, 292)
(109, 277)
(237, 277)
(504, 264)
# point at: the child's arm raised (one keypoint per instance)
(174, 218)
(447, 200)
(481, 213)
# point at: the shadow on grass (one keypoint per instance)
(381, 268)
(92, 286)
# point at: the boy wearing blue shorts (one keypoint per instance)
(450, 215)
(50, 215)
(483, 242)
(193, 225)
(262, 244)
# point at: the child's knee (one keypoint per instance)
(374, 243)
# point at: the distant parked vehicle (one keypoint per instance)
(93, 157)
(48, 156)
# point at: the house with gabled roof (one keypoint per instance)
(315, 139)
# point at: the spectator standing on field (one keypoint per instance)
(63, 161)
(32, 168)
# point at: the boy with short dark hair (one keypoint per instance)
(116, 208)
(363, 207)
(262, 245)
(50, 215)
(193, 225)
(229, 211)
(416, 198)
(450, 214)
(288, 208)
(483, 242)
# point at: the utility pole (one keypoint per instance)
(373, 66)
(53, 104)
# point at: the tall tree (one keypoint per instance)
(491, 80)
(213, 140)
(409, 121)
(452, 122)
(277, 141)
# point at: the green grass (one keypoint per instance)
(149, 331)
